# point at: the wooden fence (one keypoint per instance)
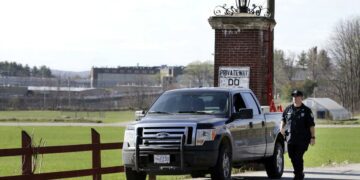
(27, 151)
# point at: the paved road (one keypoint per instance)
(351, 171)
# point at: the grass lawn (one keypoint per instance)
(333, 146)
(337, 145)
(66, 116)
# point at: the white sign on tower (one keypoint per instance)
(234, 76)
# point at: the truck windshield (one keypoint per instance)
(191, 102)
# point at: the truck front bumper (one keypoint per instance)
(189, 160)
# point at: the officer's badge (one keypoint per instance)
(288, 116)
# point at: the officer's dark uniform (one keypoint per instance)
(298, 121)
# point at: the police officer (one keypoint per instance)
(298, 121)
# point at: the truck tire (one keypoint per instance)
(274, 165)
(134, 175)
(222, 169)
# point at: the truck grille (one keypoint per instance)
(166, 136)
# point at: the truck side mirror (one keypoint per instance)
(243, 114)
(139, 114)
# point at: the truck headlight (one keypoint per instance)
(130, 136)
(203, 135)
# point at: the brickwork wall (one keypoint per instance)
(249, 47)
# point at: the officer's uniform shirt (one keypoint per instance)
(298, 121)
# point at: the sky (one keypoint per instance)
(75, 35)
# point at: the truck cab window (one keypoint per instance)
(250, 103)
(197, 102)
(238, 103)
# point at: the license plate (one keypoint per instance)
(161, 159)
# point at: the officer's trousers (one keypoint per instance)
(296, 153)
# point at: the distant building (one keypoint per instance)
(326, 108)
(134, 76)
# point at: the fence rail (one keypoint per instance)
(27, 151)
(58, 149)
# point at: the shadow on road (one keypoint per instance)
(331, 173)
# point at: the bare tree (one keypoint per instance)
(324, 62)
(200, 73)
(283, 71)
(313, 64)
(345, 51)
(290, 65)
(279, 72)
(302, 60)
(324, 75)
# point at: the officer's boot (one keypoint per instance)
(299, 176)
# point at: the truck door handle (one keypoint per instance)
(251, 124)
(263, 123)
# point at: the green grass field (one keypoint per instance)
(67, 116)
(336, 145)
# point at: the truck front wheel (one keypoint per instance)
(134, 175)
(222, 169)
(274, 165)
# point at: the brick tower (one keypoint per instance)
(244, 49)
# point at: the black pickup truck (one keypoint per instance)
(201, 131)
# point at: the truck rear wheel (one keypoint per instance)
(222, 169)
(274, 165)
(134, 175)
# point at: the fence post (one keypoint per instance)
(27, 156)
(96, 156)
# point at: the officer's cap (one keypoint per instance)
(296, 93)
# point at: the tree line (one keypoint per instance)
(331, 72)
(15, 69)
(198, 74)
